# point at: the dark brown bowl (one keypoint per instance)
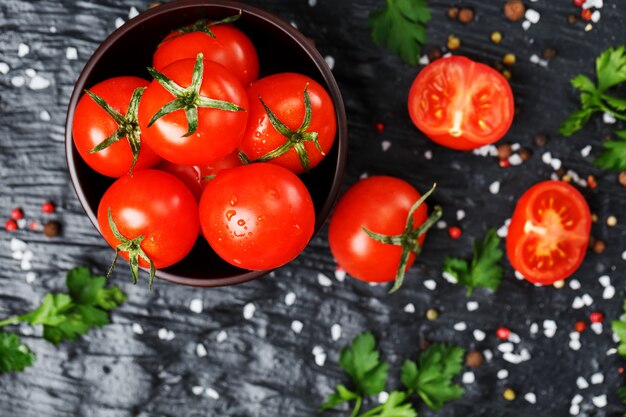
(281, 48)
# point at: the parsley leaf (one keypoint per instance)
(619, 328)
(431, 377)
(340, 396)
(401, 27)
(395, 406)
(14, 356)
(361, 361)
(484, 270)
(611, 68)
(614, 154)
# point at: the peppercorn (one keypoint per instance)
(504, 151)
(621, 178)
(509, 394)
(596, 317)
(496, 37)
(10, 226)
(559, 284)
(586, 14)
(434, 54)
(578, 3)
(466, 15)
(572, 19)
(525, 154)
(503, 333)
(454, 42)
(540, 140)
(52, 228)
(380, 127)
(48, 207)
(514, 10)
(17, 214)
(424, 344)
(507, 74)
(580, 326)
(611, 221)
(453, 12)
(474, 359)
(599, 246)
(549, 53)
(432, 314)
(454, 232)
(561, 172)
(508, 60)
(591, 182)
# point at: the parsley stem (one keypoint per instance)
(357, 406)
(10, 320)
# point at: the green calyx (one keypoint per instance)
(133, 247)
(295, 138)
(188, 99)
(204, 26)
(408, 239)
(128, 125)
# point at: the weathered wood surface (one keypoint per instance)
(263, 368)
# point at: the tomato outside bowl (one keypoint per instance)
(281, 48)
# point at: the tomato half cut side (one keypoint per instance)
(549, 232)
(461, 104)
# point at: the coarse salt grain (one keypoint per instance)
(409, 308)
(30, 277)
(574, 284)
(428, 154)
(22, 50)
(335, 332)
(597, 378)
(449, 277)
(330, 61)
(460, 326)
(574, 409)
(578, 303)
(196, 305)
(530, 397)
(512, 358)
(4, 68)
(38, 83)
(526, 24)
(611, 351)
(546, 158)
(596, 327)
(586, 151)
(604, 280)
(577, 399)
(587, 299)
(608, 293)
(221, 336)
(479, 335)
(582, 383)
(624, 255)
(424, 60)
(383, 396)
(296, 326)
(30, 72)
(534, 328)
(44, 115)
(599, 401)
(323, 280)
(549, 333)
(430, 284)
(574, 344)
(25, 265)
(556, 164)
(312, 3)
(505, 347)
(71, 53)
(319, 355)
(515, 159)
(468, 378)
(197, 390)
(503, 374)
(201, 350)
(532, 16)
(17, 245)
(340, 274)
(574, 335)
(211, 393)
(132, 12)
(494, 187)
(472, 306)
(519, 275)
(290, 298)
(137, 329)
(460, 215)
(514, 338)
(18, 81)
(595, 16)
(119, 22)
(487, 354)
(165, 334)
(441, 224)
(248, 311)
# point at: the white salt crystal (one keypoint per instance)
(290, 298)
(248, 311)
(597, 378)
(472, 306)
(409, 308)
(468, 378)
(586, 151)
(479, 335)
(582, 383)
(197, 390)
(430, 284)
(132, 12)
(211, 393)
(137, 329)
(22, 50)
(335, 332)
(221, 336)
(608, 293)
(505, 347)
(330, 61)
(599, 401)
(531, 398)
(503, 374)
(44, 115)
(494, 188)
(460, 326)
(574, 284)
(196, 305)
(38, 83)
(4, 68)
(18, 81)
(323, 280)
(71, 53)
(201, 350)
(296, 326)
(532, 16)
(340, 274)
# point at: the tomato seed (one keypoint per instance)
(454, 232)
(10, 225)
(17, 214)
(503, 333)
(596, 317)
(580, 326)
(48, 207)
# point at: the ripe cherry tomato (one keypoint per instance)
(156, 211)
(195, 177)
(230, 47)
(284, 96)
(380, 204)
(258, 216)
(460, 103)
(92, 125)
(218, 131)
(549, 232)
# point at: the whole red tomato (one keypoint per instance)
(155, 217)
(381, 205)
(549, 232)
(257, 216)
(94, 124)
(219, 42)
(292, 122)
(194, 112)
(460, 103)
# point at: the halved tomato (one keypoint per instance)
(549, 232)
(460, 103)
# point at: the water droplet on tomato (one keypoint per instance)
(241, 222)
(233, 201)
(258, 135)
(230, 214)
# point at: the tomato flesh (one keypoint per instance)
(461, 104)
(549, 232)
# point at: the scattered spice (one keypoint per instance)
(591, 182)
(549, 53)
(540, 140)
(561, 172)
(507, 74)
(621, 178)
(598, 246)
(509, 394)
(559, 284)
(453, 12)
(504, 151)
(514, 10)
(580, 326)
(596, 317)
(432, 314)
(586, 14)
(508, 59)
(611, 221)
(525, 154)
(10, 225)
(48, 207)
(380, 127)
(454, 43)
(496, 37)
(503, 333)
(504, 163)
(455, 232)
(434, 54)
(466, 15)
(52, 228)
(424, 344)
(594, 218)
(17, 214)
(578, 3)
(572, 19)
(474, 359)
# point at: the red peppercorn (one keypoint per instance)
(596, 317)
(503, 333)
(504, 163)
(454, 232)
(620, 370)
(17, 214)
(33, 225)
(591, 182)
(10, 226)
(48, 207)
(580, 326)
(586, 14)
(380, 127)
(578, 3)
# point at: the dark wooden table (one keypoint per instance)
(148, 361)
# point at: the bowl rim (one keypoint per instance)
(305, 43)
